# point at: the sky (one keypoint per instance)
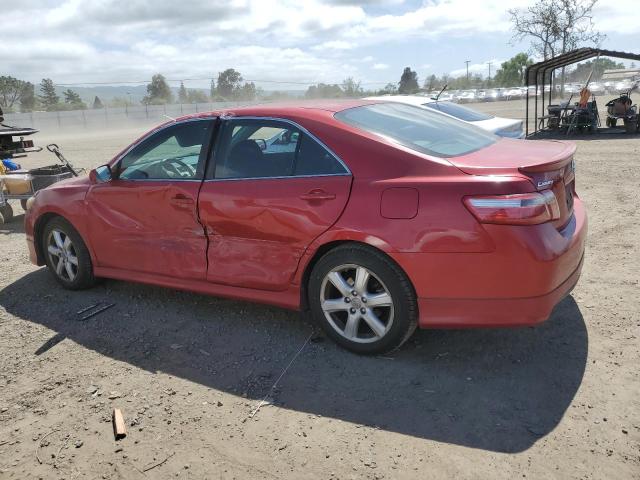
(297, 41)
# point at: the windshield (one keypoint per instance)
(418, 129)
(458, 111)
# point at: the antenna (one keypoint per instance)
(439, 93)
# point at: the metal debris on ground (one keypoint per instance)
(264, 400)
(93, 310)
(154, 465)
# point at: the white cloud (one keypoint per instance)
(335, 45)
(314, 40)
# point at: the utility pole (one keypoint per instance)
(467, 62)
(489, 63)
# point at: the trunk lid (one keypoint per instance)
(549, 165)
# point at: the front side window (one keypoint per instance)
(173, 153)
(253, 148)
(458, 111)
(419, 129)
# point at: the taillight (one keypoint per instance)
(518, 209)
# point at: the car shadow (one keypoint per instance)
(493, 389)
(602, 134)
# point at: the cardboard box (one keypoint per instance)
(17, 184)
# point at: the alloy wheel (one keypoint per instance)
(356, 303)
(62, 254)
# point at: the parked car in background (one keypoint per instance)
(514, 93)
(377, 218)
(493, 95)
(596, 88)
(467, 96)
(447, 97)
(503, 127)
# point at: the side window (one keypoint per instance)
(270, 148)
(314, 159)
(173, 153)
(256, 148)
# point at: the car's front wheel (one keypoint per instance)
(362, 299)
(66, 255)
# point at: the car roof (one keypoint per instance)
(408, 99)
(294, 108)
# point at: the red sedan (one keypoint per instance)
(376, 217)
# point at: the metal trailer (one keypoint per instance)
(21, 184)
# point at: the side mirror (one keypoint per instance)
(100, 174)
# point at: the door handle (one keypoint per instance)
(317, 194)
(182, 201)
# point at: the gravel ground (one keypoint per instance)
(556, 401)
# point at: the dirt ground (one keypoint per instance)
(561, 400)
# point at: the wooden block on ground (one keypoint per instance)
(119, 428)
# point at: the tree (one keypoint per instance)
(556, 27)
(598, 66)
(12, 91)
(408, 82)
(247, 91)
(28, 98)
(72, 100)
(196, 96)
(48, 97)
(511, 72)
(322, 90)
(71, 97)
(431, 83)
(213, 92)
(229, 82)
(182, 94)
(389, 89)
(351, 88)
(97, 103)
(158, 91)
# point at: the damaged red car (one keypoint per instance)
(375, 217)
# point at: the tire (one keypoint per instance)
(347, 317)
(76, 270)
(1, 219)
(630, 126)
(7, 213)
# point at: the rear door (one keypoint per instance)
(271, 190)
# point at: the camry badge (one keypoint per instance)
(545, 183)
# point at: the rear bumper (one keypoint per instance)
(493, 312)
(519, 282)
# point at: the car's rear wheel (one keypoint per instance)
(66, 255)
(362, 299)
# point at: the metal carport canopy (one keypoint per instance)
(533, 77)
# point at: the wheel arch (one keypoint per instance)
(325, 248)
(38, 230)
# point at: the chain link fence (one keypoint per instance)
(109, 117)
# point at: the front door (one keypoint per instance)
(272, 190)
(145, 219)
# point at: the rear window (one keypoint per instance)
(418, 129)
(458, 111)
